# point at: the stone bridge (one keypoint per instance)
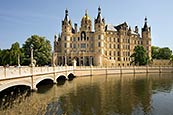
(32, 76)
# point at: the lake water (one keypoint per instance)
(127, 94)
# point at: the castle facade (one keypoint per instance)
(107, 45)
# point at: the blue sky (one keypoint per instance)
(19, 19)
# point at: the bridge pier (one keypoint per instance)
(34, 88)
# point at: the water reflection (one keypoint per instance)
(103, 95)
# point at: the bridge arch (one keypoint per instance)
(12, 84)
(71, 76)
(42, 79)
(61, 78)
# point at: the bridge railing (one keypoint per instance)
(14, 72)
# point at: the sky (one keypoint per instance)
(20, 19)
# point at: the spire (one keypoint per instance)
(86, 12)
(55, 38)
(99, 17)
(146, 28)
(66, 15)
(99, 13)
(145, 25)
(99, 10)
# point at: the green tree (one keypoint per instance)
(165, 53)
(41, 49)
(155, 52)
(139, 57)
(161, 53)
(15, 53)
(5, 57)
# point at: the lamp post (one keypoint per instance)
(32, 64)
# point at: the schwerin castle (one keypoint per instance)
(107, 45)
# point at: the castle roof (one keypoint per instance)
(110, 27)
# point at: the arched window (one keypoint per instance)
(83, 35)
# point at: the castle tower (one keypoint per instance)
(66, 33)
(99, 26)
(146, 38)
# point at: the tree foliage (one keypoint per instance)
(139, 57)
(161, 53)
(5, 57)
(10, 56)
(41, 49)
(155, 52)
(15, 53)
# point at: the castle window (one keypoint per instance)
(128, 40)
(65, 38)
(83, 45)
(119, 60)
(118, 46)
(114, 53)
(109, 45)
(128, 46)
(128, 53)
(110, 39)
(114, 40)
(87, 38)
(65, 45)
(70, 45)
(118, 53)
(105, 52)
(99, 37)
(114, 45)
(78, 38)
(118, 39)
(99, 44)
(83, 35)
(91, 46)
(147, 42)
(74, 46)
(74, 39)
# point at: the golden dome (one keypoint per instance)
(86, 17)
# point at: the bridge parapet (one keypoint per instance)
(15, 72)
